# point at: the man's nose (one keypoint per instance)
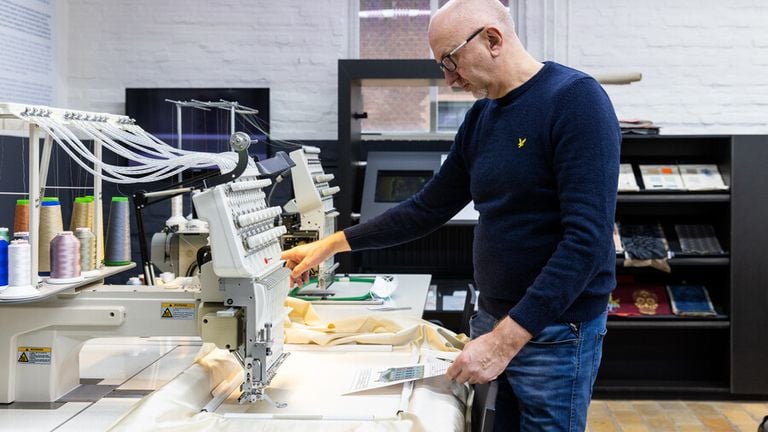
(450, 77)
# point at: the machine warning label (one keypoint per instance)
(180, 311)
(35, 355)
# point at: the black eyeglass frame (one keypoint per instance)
(447, 63)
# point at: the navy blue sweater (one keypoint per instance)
(541, 164)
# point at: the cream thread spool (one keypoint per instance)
(87, 252)
(50, 225)
(19, 267)
(79, 213)
(91, 224)
(65, 259)
(118, 244)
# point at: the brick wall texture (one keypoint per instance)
(704, 62)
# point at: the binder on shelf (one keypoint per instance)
(661, 177)
(702, 177)
(690, 300)
(639, 299)
(617, 240)
(627, 181)
(698, 239)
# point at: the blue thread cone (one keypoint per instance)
(3, 262)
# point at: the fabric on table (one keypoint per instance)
(434, 404)
(304, 326)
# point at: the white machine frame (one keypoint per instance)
(62, 317)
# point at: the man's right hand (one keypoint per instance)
(304, 257)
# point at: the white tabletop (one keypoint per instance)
(411, 294)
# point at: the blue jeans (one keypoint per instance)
(548, 385)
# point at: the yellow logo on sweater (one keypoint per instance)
(521, 142)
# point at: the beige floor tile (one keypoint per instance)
(603, 424)
(757, 410)
(736, 414)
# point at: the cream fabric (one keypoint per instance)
(305, 326)
(435, 404)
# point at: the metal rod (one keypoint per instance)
(167, 192)
(98, 208)
(34, 198)
(46, 163)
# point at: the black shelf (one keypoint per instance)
(621, 388)
(673, 197)
(669, 322)
(689, 261)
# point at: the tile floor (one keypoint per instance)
(651, 416)
(133, 367)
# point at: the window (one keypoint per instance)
(397, 29)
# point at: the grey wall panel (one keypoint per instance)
(749, 261)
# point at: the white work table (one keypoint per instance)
(411, 293)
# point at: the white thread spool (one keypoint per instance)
(19, 269)
(65, 259)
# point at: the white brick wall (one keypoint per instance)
(704, 62)
(291, 46)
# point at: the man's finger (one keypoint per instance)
(463, 376)
(452, 371)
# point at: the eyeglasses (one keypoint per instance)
(447, 63)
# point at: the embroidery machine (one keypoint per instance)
(238, 302)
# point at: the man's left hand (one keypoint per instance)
(485, 358)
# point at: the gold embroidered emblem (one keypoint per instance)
(645, 301)
(521, 142)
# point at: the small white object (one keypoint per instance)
(627, 181)
(167, 276)
(133, 281)
(197, 225)
(19, 292)
(384, 286)
(702, 177)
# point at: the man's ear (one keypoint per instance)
(495, 40)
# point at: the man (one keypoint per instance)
(539, 155)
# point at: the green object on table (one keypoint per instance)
(367, 296)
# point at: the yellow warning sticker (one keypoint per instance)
(180, 311)
(35, 355)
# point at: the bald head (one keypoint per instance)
(475, 43)
(457, 18)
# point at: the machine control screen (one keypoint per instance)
(396, 186)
